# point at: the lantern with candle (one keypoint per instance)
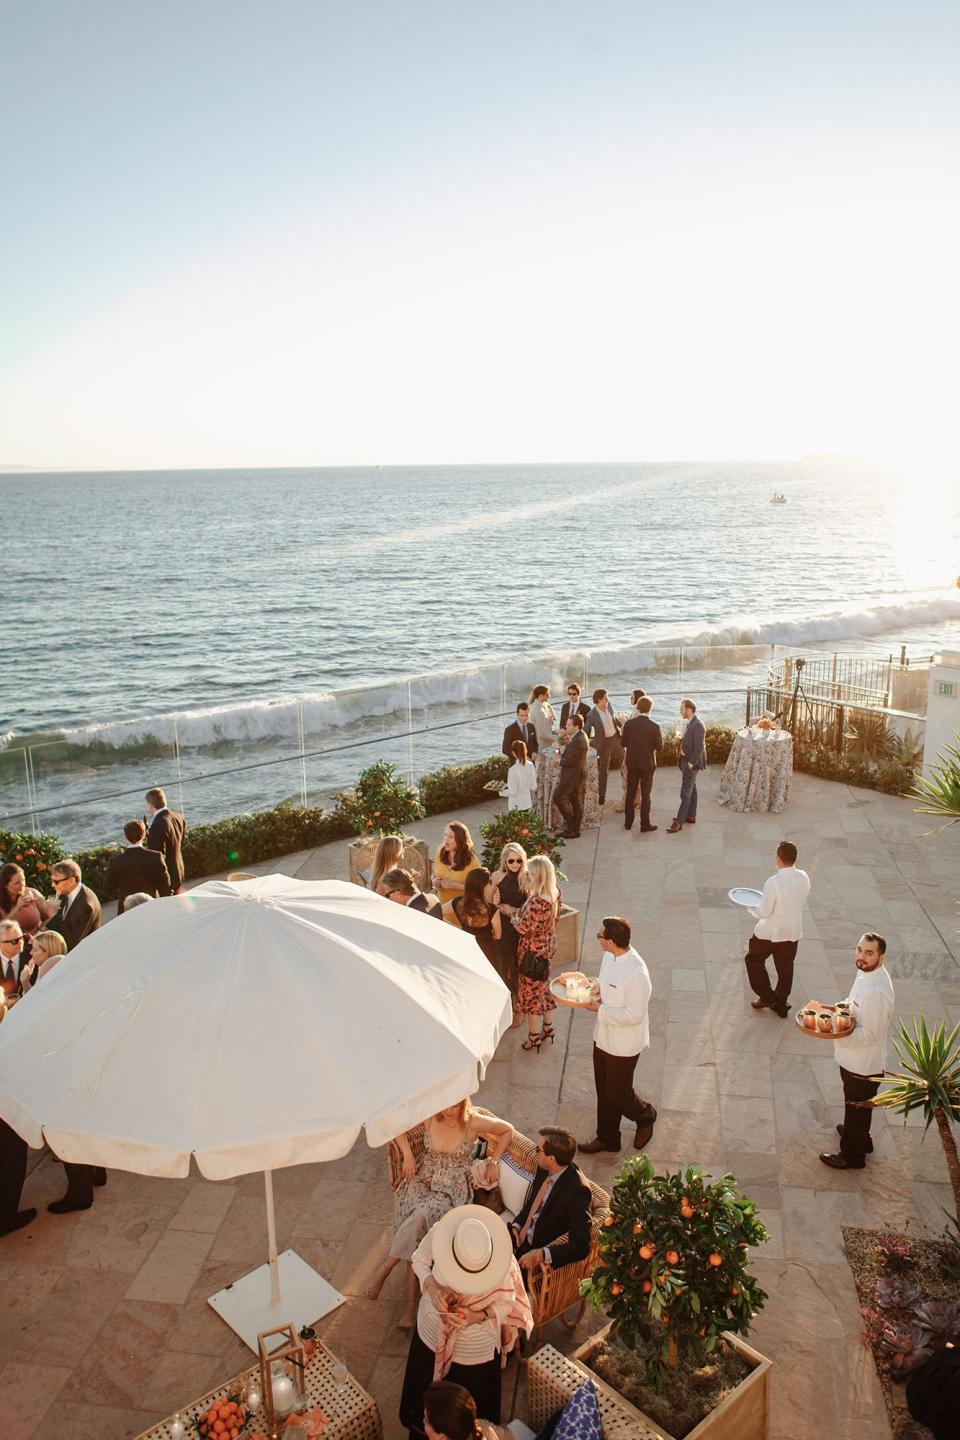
(282, 1381)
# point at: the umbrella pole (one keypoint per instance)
(272, 1238)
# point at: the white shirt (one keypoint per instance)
(779, 910)
(475, 1344)
(609, 727)
(521, 785)
(623, 1025)
(69, 899)
(864, 1052)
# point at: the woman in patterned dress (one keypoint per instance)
(536, 922)
(435, 1183)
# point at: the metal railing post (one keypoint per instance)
(301, 738)
(176, 753)
(411, 778)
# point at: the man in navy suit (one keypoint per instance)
(573, 705)
(691, 758)
(553, 1226)
(641, 740)
(521, 729)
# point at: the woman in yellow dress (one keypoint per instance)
(453, 861)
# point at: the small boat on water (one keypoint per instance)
(778, 499)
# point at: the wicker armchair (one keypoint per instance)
(552, 1291)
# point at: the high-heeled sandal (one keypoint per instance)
(548, 1033)
(533, 1042)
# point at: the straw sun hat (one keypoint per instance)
(472, 1250)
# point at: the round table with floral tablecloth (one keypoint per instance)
(548, 773)
(758, 770)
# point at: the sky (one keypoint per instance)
(305, 233)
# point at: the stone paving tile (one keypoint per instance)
(735, 1090)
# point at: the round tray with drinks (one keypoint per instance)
(825, 1022)
(575, 989)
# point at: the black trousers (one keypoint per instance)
(613, 1076)
(784, 953)
(79, 1183)
(569, 801)
(13, 1172)
(606, 749)
(856, 1120)
(643, 779)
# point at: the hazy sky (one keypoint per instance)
(305, 233)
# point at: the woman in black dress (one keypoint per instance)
(508, 896)
(481, 919)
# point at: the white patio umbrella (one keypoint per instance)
(251, 1025)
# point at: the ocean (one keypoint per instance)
(173, 627)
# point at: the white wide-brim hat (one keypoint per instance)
(472, 1250)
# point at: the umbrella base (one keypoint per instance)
(304, 1297)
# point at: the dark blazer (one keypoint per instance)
(573, 760)
(693, 746)
(166, 835)
(582, 709)
(136, 869)
(641, 740)
(594, 725)
(516, 732)
(421, 902)
(566, 1212)
(81, 920)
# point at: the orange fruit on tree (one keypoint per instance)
(647, 1252)
(686, 1212)
(665, 1319)
(716, 1259)
(638, 1228)
(616, 1289)
(647, 1286)
(608, 1222)
(672, 1257)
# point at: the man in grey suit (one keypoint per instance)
(603, 728)
(691, 758)
(568, 796)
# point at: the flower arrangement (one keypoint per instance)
(673, 1263)
(522, 827)
(381, 803)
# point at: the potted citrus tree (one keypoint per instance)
(673, 1276)
(381, 803)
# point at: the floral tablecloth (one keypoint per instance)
(548, 772)
(758, 771)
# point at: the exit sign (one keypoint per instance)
(948, 689)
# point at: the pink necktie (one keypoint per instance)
(533, 1212)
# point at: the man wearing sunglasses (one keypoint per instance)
(622, 1031)
(12, 947)
(79, 913)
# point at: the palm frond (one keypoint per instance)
(941, 793)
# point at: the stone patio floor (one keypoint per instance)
(104, 1324)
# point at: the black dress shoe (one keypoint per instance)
(672, 829)
(22, 1217)
(840, 1162)
(643, 1136)
(646, 829)
(629, 827)
(596, 1147)
(571, 834)
(99, 1176)
(869, 1141)
(761, 1004)
(64, 1206)
(782, 1010)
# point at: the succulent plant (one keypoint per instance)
(939, 1319)
(893, 1253)
(905, 1346)
(896, 1292)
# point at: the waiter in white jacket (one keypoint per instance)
(622, 1031)
(862, 1055)
(778, 931)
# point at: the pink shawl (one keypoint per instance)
(508, 1309)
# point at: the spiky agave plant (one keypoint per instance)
(941, 793)
(929, 1082)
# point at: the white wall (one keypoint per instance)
(943, 709)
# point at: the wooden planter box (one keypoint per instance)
(568, 938)
(552, 1379)
(416, 859)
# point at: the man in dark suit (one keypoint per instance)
(568, 796)
(166, 835)
(136, 870)
(641, 739)
(13, 1172)
(691, 758)
(557, 1205)
(604, 728)
(400, 886)
(520, 729)
(573, 705)
(79, 913)
(13, 948)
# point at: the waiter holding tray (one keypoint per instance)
(622, 1031)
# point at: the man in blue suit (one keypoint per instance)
(691, 758)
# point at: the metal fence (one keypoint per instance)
(244, 758)
(873, 732)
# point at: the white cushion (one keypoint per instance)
(520, 1431)
(514, 1183)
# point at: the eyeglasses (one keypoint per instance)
(600, 935)
(17, 940)
(514, 862)
(59, 879)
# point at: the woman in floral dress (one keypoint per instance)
(438, 1180)
(536, 922)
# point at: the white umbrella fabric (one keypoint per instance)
(252, 1025)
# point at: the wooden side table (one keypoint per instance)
(352, 1412)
